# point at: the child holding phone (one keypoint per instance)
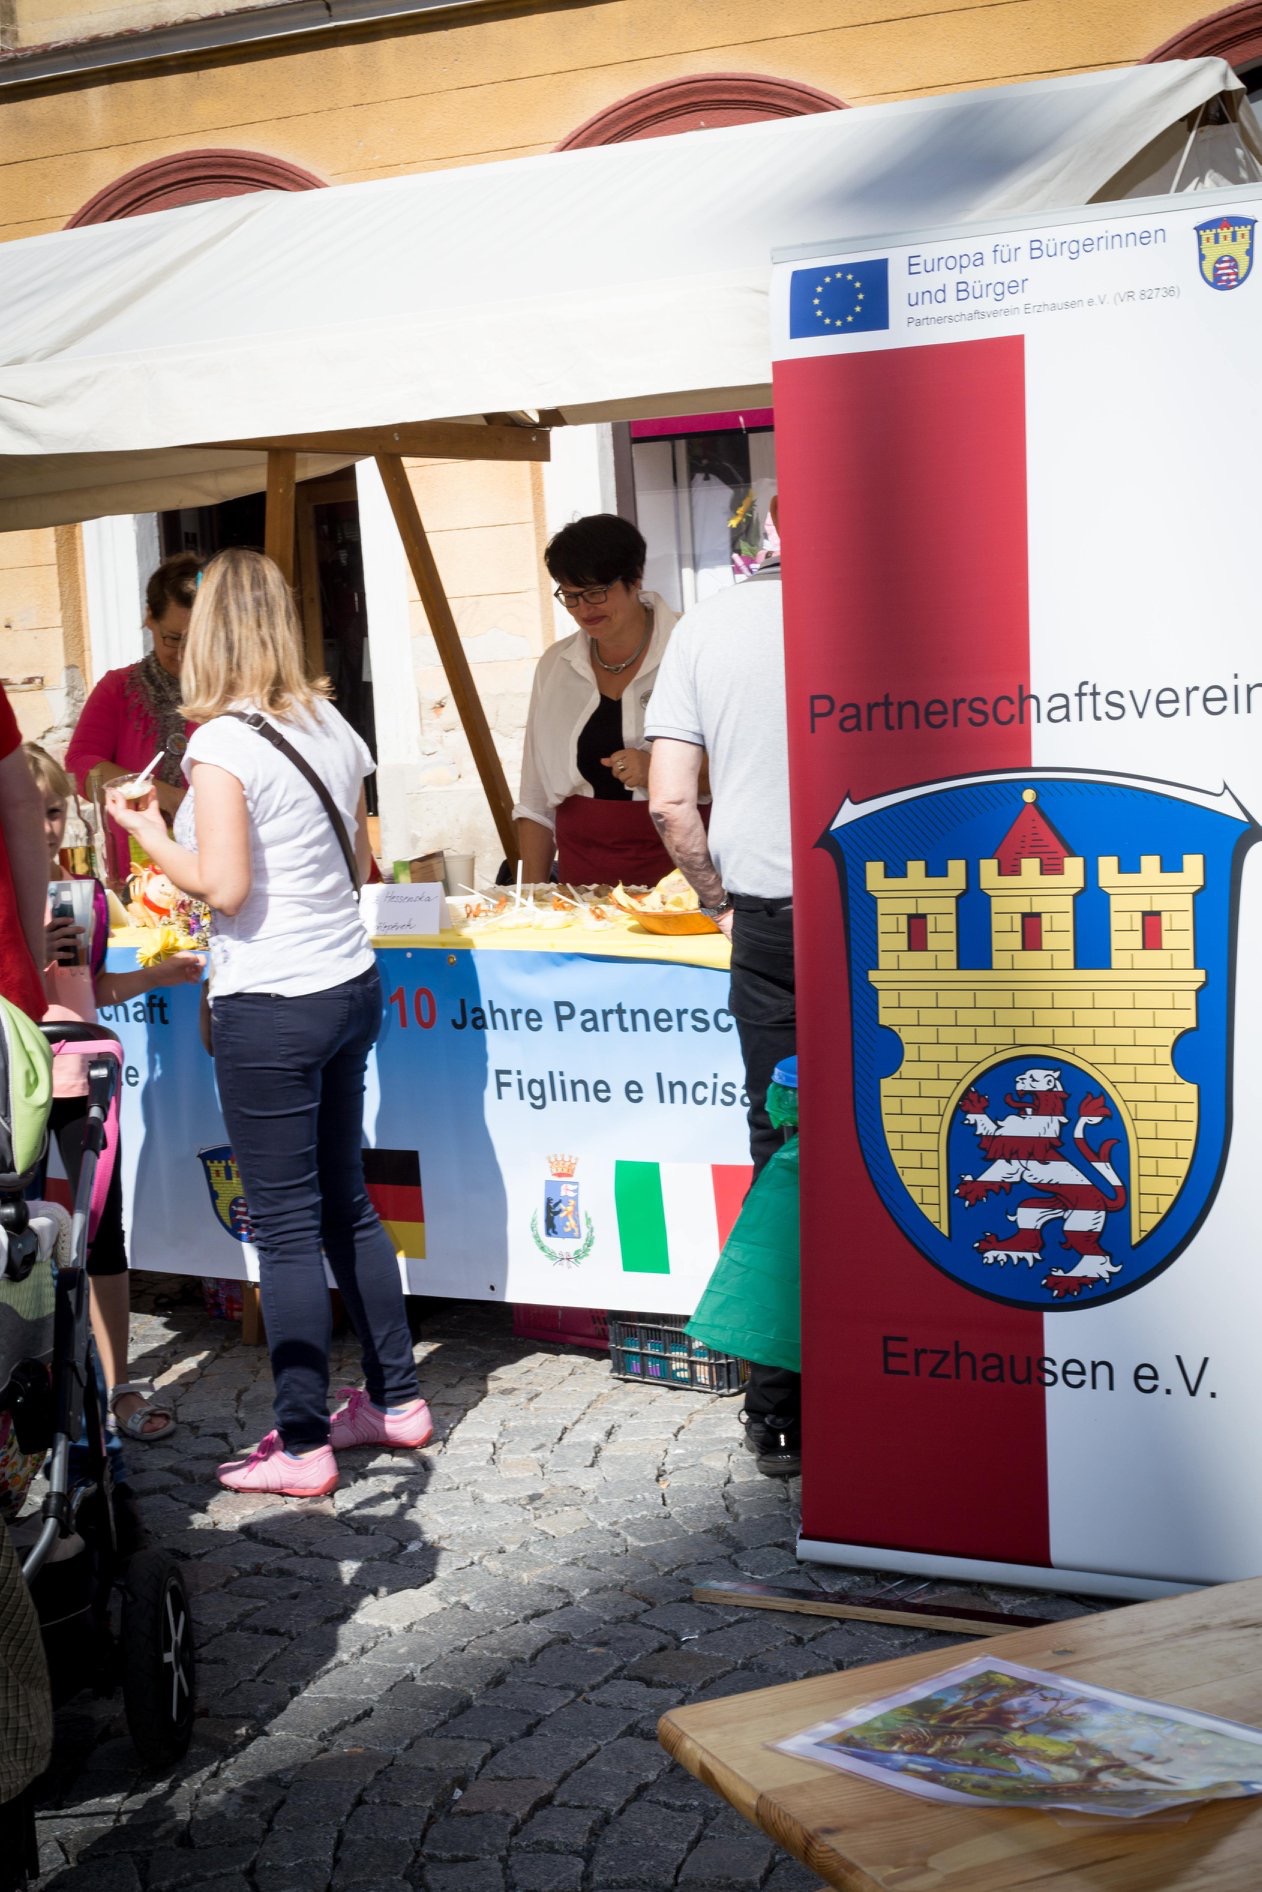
(77, 982)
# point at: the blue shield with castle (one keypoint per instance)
(1041, 974)
(1225, 246)
(227, 1197)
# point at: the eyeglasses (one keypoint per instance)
(594, 594)
(172, 639)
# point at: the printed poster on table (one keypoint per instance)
(539, 1127)
(1017, 475)
(997, 1734)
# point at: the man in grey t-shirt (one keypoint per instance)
(720, 693)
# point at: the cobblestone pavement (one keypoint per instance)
(448, 1675)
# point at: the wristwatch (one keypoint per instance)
(715, 913)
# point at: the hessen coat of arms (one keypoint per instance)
(1225, 247)
(227, 1198)
(1040, 981)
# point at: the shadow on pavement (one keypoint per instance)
(305, 1695)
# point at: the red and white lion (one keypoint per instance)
(1025, 1147)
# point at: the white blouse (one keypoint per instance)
(300, 929)
(564, 695)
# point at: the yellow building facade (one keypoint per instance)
(110, 107)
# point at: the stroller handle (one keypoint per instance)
(72, 1031)
(101, 1050)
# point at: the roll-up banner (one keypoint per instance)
(1019, 495)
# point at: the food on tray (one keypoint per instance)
(672, 894)
(545, 908)
(670, 907)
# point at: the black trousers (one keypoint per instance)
(764, 1005)
(291, 1083)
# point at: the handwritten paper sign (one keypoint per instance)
(389, 912)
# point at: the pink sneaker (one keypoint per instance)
(359, 1422)
(269, 1467)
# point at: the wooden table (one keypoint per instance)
(1202, 1650)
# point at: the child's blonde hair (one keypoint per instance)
(244, 642)
(50, 778)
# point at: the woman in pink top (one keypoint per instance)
(135, 711)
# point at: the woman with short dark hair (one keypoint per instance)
(585, 765)
(135, 711)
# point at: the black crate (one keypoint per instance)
(655, 1348)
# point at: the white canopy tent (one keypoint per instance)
(202, 353)
(584, 285)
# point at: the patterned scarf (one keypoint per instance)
(155, 696)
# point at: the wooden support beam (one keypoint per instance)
(278, 533)
(450, 649)
(308, 587)
(961, 1619)
(251, 1315)
(419, 440)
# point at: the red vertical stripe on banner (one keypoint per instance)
(395, 1203)
(903, 510)
(731, 1184)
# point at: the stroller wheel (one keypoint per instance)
(158, 1661)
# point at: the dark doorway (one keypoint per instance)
(330, 583)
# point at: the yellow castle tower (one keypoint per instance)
(1118, 1024)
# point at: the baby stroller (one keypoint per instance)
(107, 1618)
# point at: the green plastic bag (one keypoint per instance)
(751, 1307)
(26, 1095)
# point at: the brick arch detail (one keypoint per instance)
(1235, 35)
(192, 177)
(697, 104)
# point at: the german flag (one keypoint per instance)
(394, 1188)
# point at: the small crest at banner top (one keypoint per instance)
(837, 299)
(227, 1198)
(1226, 250)
(562, 1222)
(1040, 979)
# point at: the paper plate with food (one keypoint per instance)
(670, 907)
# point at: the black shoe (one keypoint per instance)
(776, 1444)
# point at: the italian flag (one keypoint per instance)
(680, 1210)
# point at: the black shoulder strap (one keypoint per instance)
(253, 720)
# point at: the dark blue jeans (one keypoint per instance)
(291, 1082)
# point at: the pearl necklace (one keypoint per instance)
(615, 670)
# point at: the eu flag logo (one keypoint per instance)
(839, 299)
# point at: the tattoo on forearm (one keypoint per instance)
(685, 841)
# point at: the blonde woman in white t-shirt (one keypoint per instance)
(297, 1008)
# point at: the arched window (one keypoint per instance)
(1235, 35)
(192, 177)
(702, 103)
(331, 589)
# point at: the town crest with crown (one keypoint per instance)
(1041, 1024)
